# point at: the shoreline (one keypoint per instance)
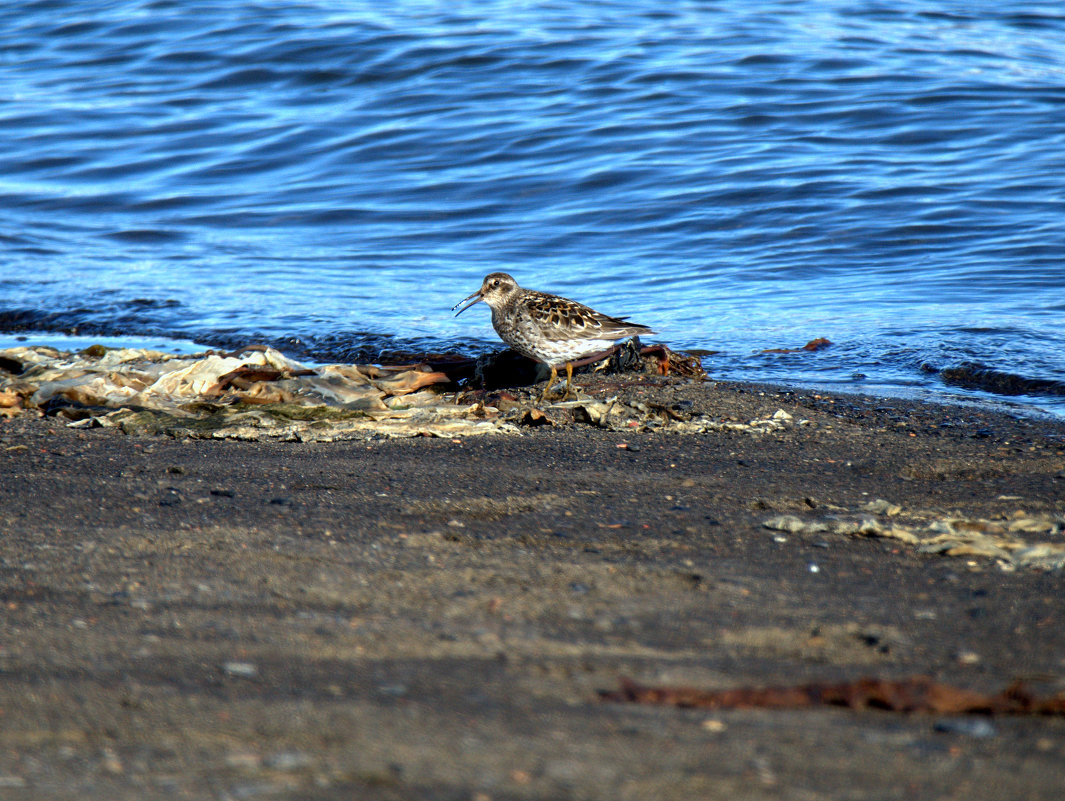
(1029, 405)
(436, 617)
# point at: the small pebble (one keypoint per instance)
(111, 763)
(970, 727)
(244, 670)
(243, 760)
(288, 760)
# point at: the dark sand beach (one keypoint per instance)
(435, 618)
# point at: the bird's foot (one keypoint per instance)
(569, 393)
(546, 395)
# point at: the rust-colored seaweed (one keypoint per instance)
(813, 345)
(915, 694)
(247, 375)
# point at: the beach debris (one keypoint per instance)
(917, 694)
(10, 403)
(778, 421)
(996, 540)
(999, 540)
(249, 394)
(257, 392)
(535, 417)
(813, 345)
(793, 524)
(882, 507)
(616, 414)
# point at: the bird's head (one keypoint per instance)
(496, 290)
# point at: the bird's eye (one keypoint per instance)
(495, 282)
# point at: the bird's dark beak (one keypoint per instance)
(476, 297)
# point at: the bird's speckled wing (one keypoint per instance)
(561, 318)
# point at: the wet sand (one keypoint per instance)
(429, 618)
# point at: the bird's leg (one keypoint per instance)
(569, 382)
(550, 382)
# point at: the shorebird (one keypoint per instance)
(550, 329)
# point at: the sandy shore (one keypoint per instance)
(433, 618)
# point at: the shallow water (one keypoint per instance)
(333, 177)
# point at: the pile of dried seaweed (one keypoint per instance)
(258, 392)
(1002, 541)
(249, 394)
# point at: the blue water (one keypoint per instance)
(333, 176)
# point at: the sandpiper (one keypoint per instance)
(553, 330)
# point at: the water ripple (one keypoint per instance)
(741, 177)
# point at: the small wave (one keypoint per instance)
(972, 375)
(147, 236)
